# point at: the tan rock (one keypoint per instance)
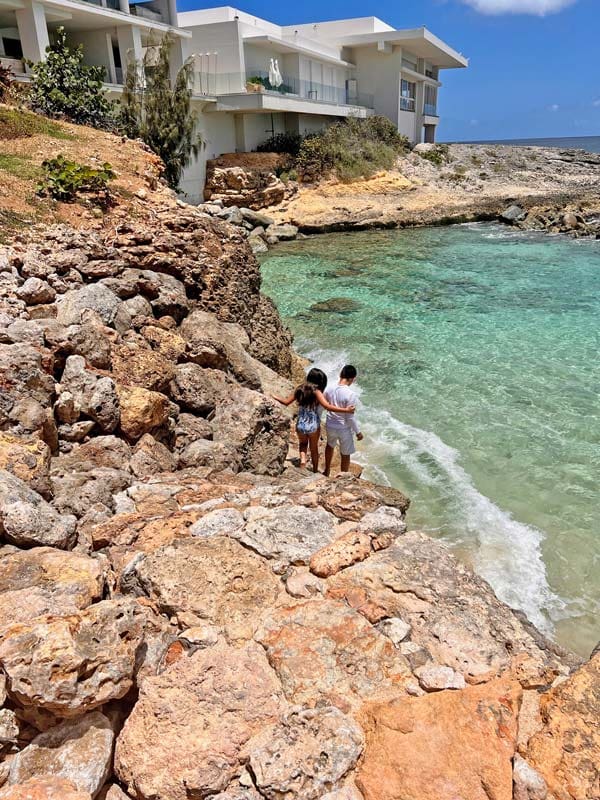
(324, 652)
(47, 581)
(78, 751)
(142, 367)
(142, 411)
(186, 734)
(29, 459)
(71, 664)
(306, 753)
(168, 344)
(113, 793)
(443, 745)
(142, 532)
(566, 752)
(454, 615)
(150, 457)
(348, 549)
(216, 579)
(349, 498)
(44, 787)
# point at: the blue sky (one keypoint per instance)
(532, 74)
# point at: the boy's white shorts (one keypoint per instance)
(345, 439)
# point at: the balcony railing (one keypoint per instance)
(430, 110)
(257, 81)
(407, 103)
(144, 12)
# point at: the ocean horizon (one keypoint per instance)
(589, 143)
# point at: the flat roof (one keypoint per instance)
(421, 42)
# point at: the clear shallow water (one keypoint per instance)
(477, 349)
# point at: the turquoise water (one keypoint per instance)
(477, 349)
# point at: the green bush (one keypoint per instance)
(353, 149)
(6, 83)
(438, 155)
(64, 180)
(64, 87)
(288, 143)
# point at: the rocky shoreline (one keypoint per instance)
(183, 613)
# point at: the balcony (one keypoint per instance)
(257, 82)
(148, 11)
(15, 65)
(407, 104)
(430, 110)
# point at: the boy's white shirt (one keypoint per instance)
(341, 396)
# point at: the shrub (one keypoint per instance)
(160, 113)
(438, 155)
(63, 86)
(282, 143)
(6, 83)
(355, 148)
(64, 180)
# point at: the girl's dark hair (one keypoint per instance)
(305, 395)
(317, 377)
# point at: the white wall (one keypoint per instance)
(97, 50)
(338, 28)
(378, 74)
(218, 135)
(224, 39)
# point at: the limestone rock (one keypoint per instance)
(44, 787)
(214, 578)
(282, 232)
(169, 344)
(306, 753)
(527, 783)
(197, 389)
(142, 367)
(23, 377)
(26, 519)
(288, 534)
(221, 522)
(29, 459)
(94, 395)
(186, 734)
(566, 751)
(78, 751)
(35, 291)
(47, 581)
(71, 664)
(348, 549)
(95, 297)
(349, 498)
(434, 678)
(324, 652)
(395, 629)
(151, 457)
(141, 411)
(448, 744)
(454, 614)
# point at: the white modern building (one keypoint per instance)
(111, 31)
(324, 71)
(328, 71)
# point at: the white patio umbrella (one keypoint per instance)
(278, 79)
(272, 73)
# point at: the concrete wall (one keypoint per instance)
(378, 74)
(338, 28)
(97, 50)
(218, 135)
(222, 72)
(407, 124)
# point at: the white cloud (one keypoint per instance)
(553, 107)
(539, 7)
(596, 103)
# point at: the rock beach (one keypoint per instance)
(183, 613)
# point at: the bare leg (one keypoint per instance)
(345, 465)
(303, 447)
(328, 457)
(313, 441)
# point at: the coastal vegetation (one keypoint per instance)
(159, 112)
(66, 180)
(352, 149)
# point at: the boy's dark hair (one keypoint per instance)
(317, 377)
(348, 372)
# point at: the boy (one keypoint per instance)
(341, 427)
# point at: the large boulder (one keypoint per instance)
(141, 411)
(186, 734)
(79, 751)
(74, 304)
(94, 395)
(27, 520)
(29, 459)
(566, 750)
(445, 745)
(72, 664)
(199, 390)
(23, 376)
(326, 653)
(305, 754)
(47, 581)
(454, 615)
(215, 579)
(143, 367)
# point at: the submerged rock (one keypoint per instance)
(336, 305)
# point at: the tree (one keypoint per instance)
(64, 87)
(160, 112)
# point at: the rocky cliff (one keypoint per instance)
(183, 613)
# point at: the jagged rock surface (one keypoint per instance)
(236, 627)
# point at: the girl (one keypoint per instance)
(311, 402)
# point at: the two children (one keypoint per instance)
(339, 403)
